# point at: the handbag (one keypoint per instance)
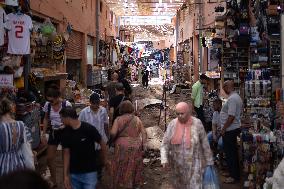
(210, 178)
(27, 153)
(112, 139)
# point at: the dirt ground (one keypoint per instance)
(155, 176)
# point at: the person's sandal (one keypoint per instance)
(229, 180)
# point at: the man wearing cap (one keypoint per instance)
(116, 101)
(97, 116)
(197, 96)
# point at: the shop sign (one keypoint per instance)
(6, 80)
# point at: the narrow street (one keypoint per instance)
(155, 176)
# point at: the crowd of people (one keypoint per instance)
(114, 138)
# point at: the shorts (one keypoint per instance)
(55, 137)
(84, 180)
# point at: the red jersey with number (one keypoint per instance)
(19, 26)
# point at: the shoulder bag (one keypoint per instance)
(27, 153)
(112, 139)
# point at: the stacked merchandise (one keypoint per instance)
(29, 113)
(262, 152)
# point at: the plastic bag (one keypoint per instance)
(210, 178)
(47, 28)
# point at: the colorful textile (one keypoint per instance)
(127, 163)
(182, 129)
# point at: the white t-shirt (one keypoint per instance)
(19, 26)
(97, 119)
(54, 115)
(3, 19)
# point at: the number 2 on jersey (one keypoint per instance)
(19, 31)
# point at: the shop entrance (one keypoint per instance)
(73, 67)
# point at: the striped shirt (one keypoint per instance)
(97, 119)
(11, 158)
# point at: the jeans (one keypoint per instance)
(84, 180)
(200, 114)
(231, 152)
(210, 140)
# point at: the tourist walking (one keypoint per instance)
(110, 88)
(115, 102)
(197, 96)
(145, 78)
(185, 149)
(230, 117)
(127, 162)
(13, 134)
(96, 116)
(80, 157)
(53, 125)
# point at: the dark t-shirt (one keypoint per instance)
(81, 143)
(114, 103)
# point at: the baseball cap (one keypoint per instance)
(95, 98)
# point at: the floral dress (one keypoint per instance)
(127, 163)
(187, 163)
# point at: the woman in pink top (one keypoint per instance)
(127, 163)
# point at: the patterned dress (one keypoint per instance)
(11, 159)
(127, 163)
(187, 163)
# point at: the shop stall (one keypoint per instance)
(15, 63)
(250, 55)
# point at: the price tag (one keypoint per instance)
(6, 80)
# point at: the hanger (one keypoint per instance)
(19, 11)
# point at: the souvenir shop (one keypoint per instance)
(248, 51)
(15, 49)
(184, 60)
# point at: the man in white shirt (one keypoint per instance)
(97, 116)
(230, 117)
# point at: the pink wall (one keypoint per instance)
(82, 17)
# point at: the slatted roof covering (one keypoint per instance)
(144, 7)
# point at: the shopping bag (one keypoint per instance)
(27, 153)
(210, 178)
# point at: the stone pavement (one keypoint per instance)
(151, 182)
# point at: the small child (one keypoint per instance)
(215, 134)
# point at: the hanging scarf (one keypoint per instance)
(182, 131)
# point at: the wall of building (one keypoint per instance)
(108, 22)
(188, 26)
(82, 16)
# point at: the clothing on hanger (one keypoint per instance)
(19, 26)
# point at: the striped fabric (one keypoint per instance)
(11, 158)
